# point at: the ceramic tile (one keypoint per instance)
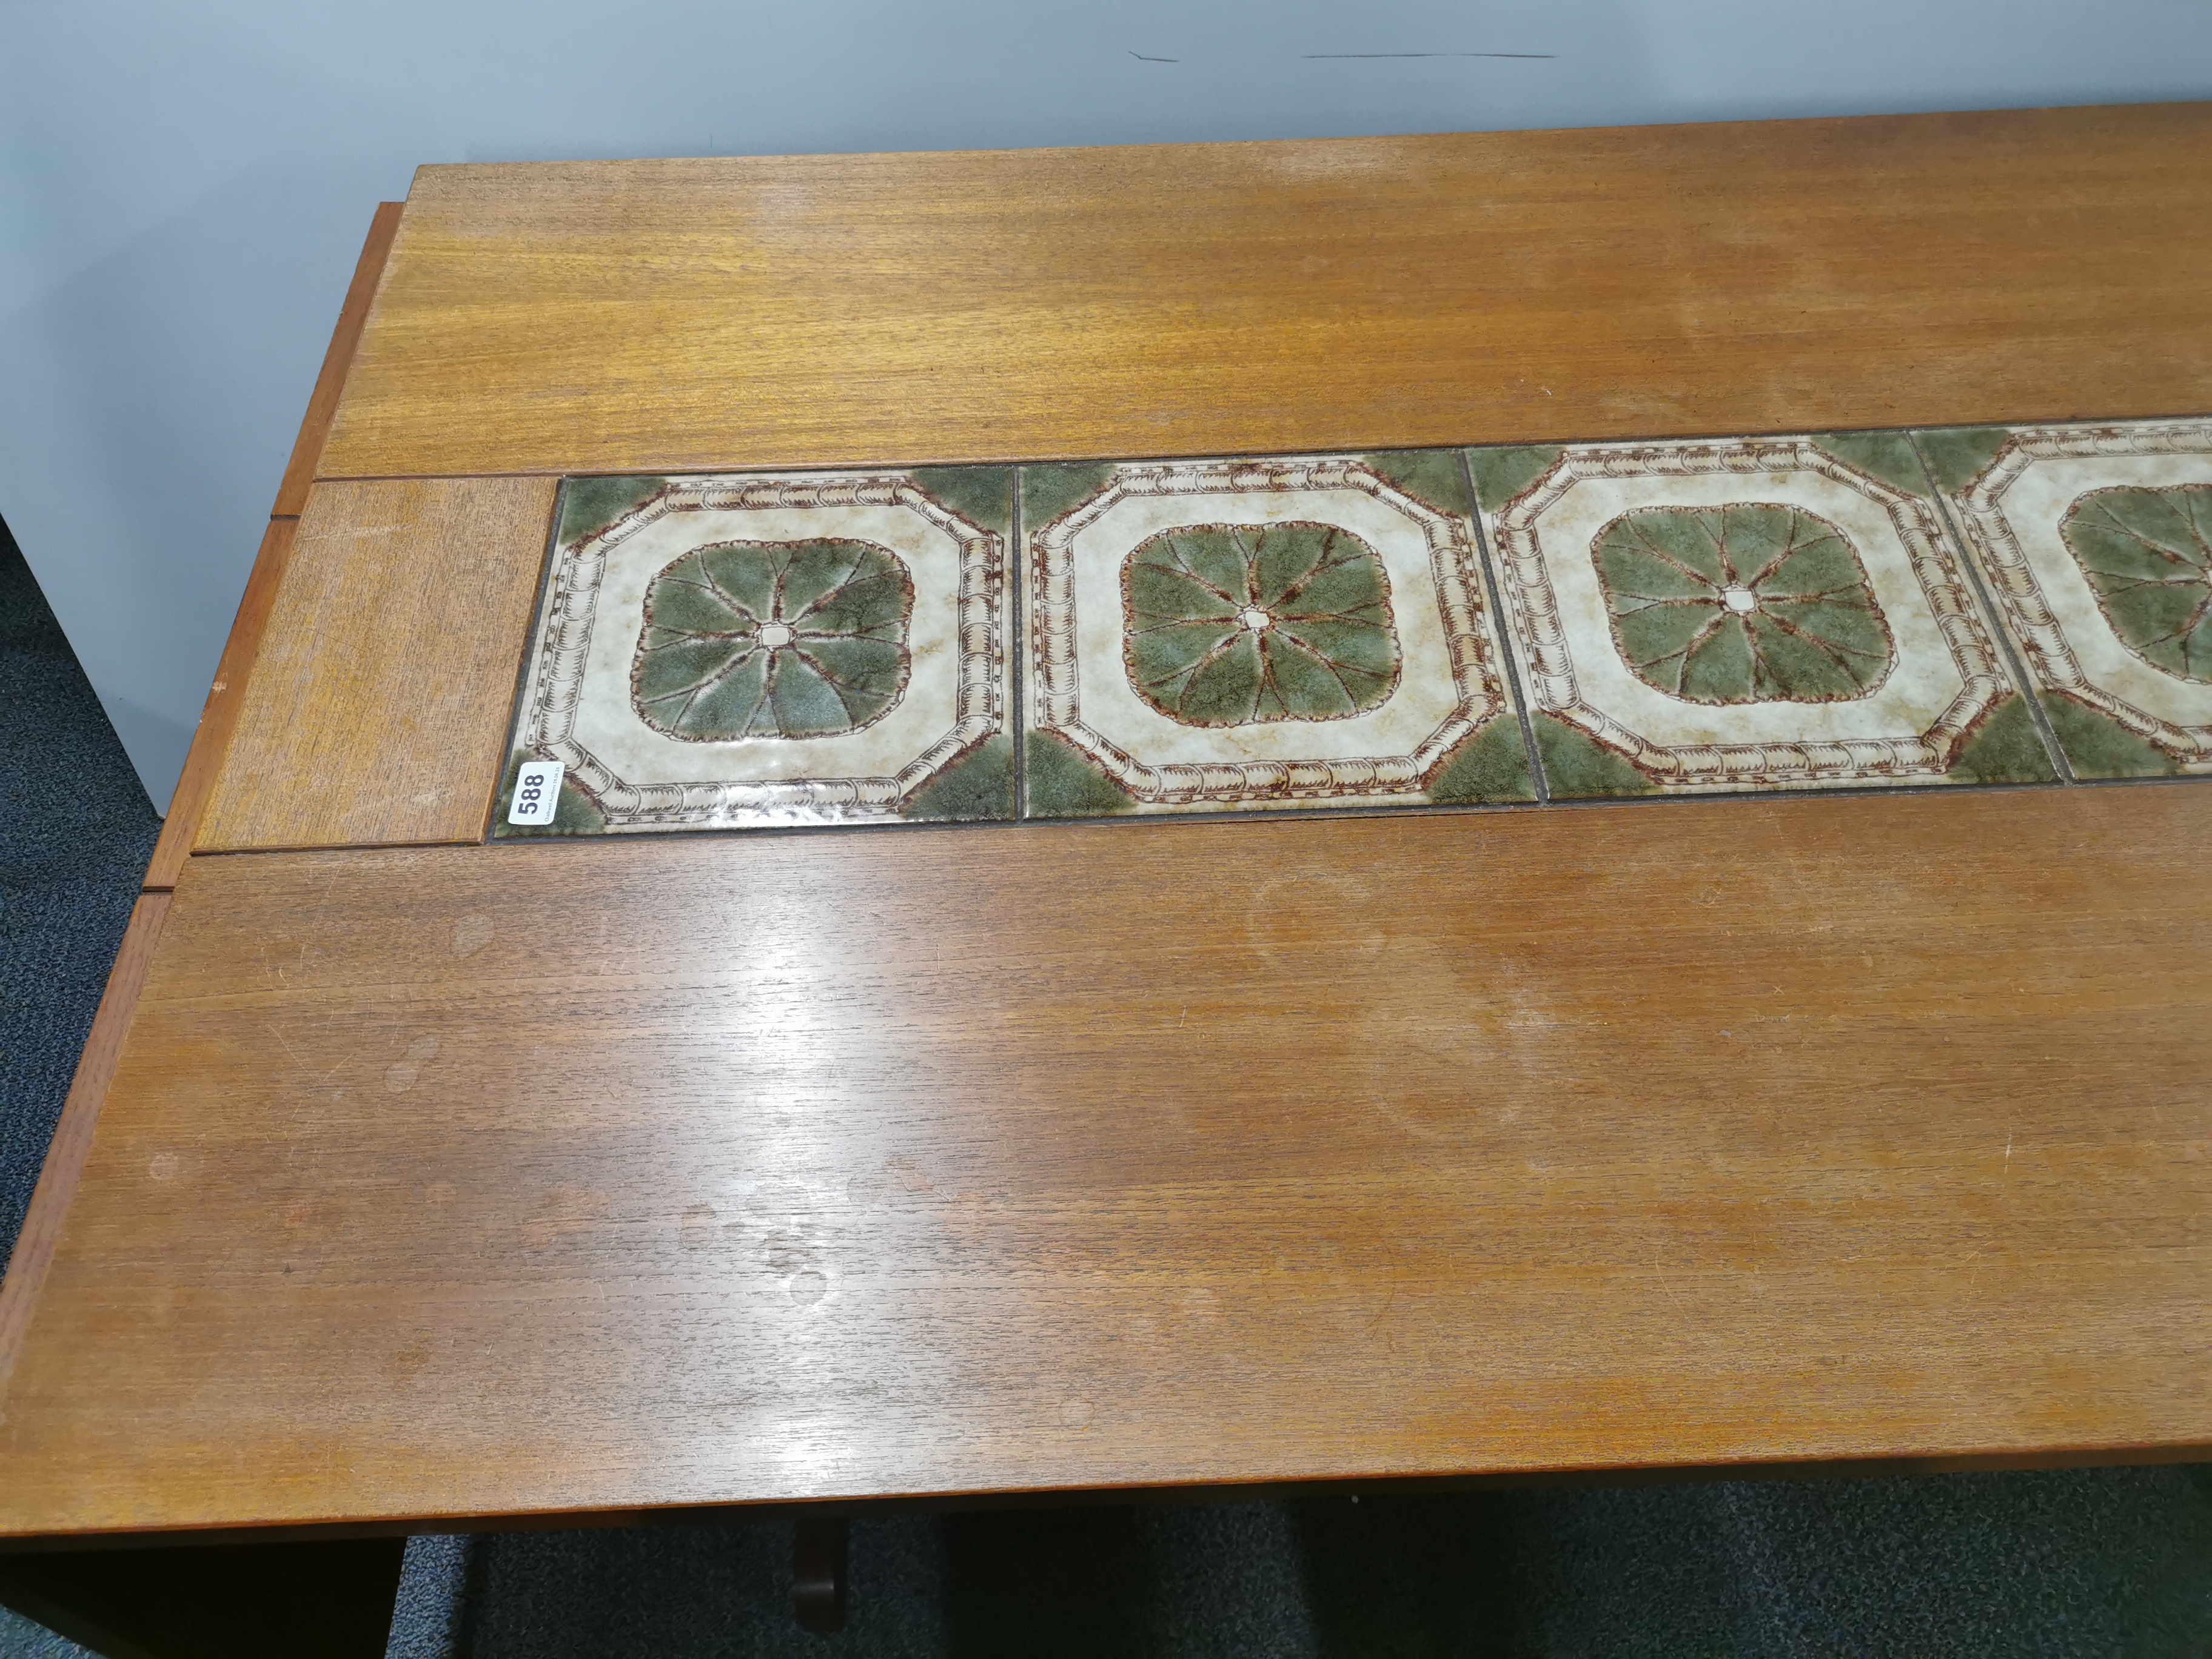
(755, 650)
(1746, 614)
(1220, 636)
(2096, 541)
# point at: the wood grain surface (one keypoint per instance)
(72, 1138)
(551, 1177)
(1622, 283)
(322, 404)
(219, 714)
(380, 701)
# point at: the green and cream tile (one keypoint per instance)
(1772, 613)
(1223, 635)
(757, 650)
(2097, 542)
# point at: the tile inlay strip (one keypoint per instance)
(1387, 630)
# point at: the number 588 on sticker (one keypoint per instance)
(536, 792)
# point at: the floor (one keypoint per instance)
(2088, 1562)
(2103, 1562)
(74, 835)
(1400, 628)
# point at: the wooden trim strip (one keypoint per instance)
(219, 715)
(219, 718)
(72, 1141)
(353, 318)
(1224, 1491)
(390, 654)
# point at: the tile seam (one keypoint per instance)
(2000, 629)
(1502, 627)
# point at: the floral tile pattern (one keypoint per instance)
(1746, 614)
(2097, 542)
(755, 650)
(1241, 624)
(1744, 602)
(1216, 635)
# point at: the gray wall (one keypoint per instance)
(183, 189)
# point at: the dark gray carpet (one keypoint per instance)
(2111, 1563)
(21, 1639)
(2105, 1563)
(76, 831)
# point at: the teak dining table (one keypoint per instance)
(415, 1180)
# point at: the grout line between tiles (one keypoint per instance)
(2000, 630)
(1501, 626)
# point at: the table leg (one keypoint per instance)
(817, 1574)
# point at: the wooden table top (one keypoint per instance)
(410, 1178)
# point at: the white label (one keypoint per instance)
(536, 792)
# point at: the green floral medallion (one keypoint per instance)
(1243, 625)
(773, 639)
(2147, 553)
(1746, 603)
